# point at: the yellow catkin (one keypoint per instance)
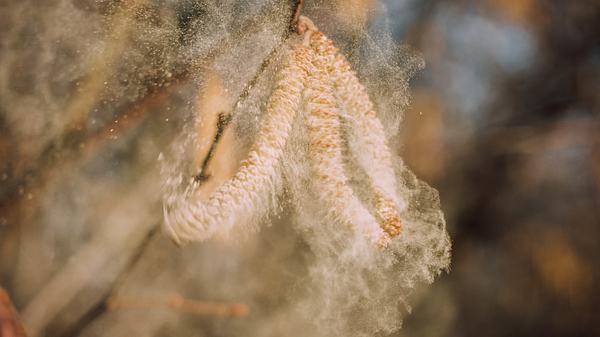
(248, 192)
(325, 152)
(368, 140)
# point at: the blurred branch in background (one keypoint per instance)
(24, 209)
(92, 272)
(179, 303)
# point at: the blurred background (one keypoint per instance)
(503, 121)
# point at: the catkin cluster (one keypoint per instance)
(318, 82)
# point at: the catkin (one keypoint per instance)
(326, 155)
(368, 141)
(247, 192)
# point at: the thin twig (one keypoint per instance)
(296, 16)
(177, 302)
(223, 120)
(133, 218)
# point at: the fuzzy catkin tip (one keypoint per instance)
(367, 136)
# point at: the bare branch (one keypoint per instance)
(296, 16)
(179, 303)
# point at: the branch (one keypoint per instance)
(179, 303)
(76, 288)
(296, 16)
(222, 123)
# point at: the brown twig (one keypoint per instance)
(296, 16)
(222, 122)
(106, 253)
(177, 302)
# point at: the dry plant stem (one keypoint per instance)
(368, 139)
(21, 212)
(179, 303)
(222, 123)
(326, 156)
(241, 197)
(10, 326)
(90, 273)
(201, 176)
(296, 16)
